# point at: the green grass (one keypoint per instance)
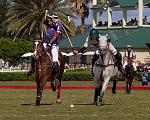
(20, 104)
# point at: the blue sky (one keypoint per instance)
(116, 16)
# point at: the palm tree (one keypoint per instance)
(25, 17)
(3, 10)
(82, 10)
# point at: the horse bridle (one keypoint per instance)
(105, 50)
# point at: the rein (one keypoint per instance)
(102, 55)
(42, 56)
(101, 65)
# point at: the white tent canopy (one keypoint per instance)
(27, 54)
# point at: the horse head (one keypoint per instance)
(38, 48)
(129, 61)
(103, 45)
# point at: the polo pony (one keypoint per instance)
(130, 73)
(104, 70)
(44, 71)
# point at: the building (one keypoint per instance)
(135, 32)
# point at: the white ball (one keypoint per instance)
(71, 105)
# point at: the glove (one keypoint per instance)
(75, 52)
(50, 45)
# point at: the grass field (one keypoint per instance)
(20, 104)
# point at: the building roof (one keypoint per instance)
(121, 3)
(139, 38)
(77, 41)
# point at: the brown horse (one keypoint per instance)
(44, 71)
(129, 75)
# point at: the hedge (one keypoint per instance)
(69, 75)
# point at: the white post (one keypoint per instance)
(140, 12)
(124, 19)
(94, 20)
(109, 17)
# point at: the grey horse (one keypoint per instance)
(104, 69)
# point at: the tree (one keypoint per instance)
(25, 17)
(3, 10)
(82, 9)
(12, 51)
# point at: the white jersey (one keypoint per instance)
(130, 54)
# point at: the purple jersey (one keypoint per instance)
(52, 29)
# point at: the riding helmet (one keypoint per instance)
(93, 33)
(129, 46)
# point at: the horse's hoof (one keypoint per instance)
(58, 101)
(53, 89)
(94, 103)
(99, 104)
(37, 102)
(114, 92)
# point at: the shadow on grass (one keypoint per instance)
(89, 104)
(33, 104)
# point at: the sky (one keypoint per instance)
(116, 16)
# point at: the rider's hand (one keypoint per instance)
(50, 45)
(75, 52)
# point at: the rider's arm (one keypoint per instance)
(54, 38)
(57, 33)
(133, 55)
(86, 44)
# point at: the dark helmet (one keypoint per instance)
(108, 39)
(54, 15)
(93, 33)
(49, 16)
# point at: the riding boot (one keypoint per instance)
(31, 71)
(56, 67)
(95, 57)
(123, 71)
(118, 63)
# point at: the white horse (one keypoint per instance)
(104, 69)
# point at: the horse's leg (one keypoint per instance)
(126, 85)
(40, 91)
(38, 99)
(96, 94)
(97, 88)
(130, 84)
(52, 84)
(104, 86)
(58, 100)
(114, 87)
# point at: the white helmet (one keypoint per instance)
(129, 46)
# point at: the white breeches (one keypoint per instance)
(55, 50)
(134, 66)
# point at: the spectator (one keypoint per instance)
(144, 79)
(145, 20)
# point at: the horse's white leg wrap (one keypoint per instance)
(54, 51)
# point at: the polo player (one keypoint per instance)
(94, 38)
(129, 54)
(51, 40)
